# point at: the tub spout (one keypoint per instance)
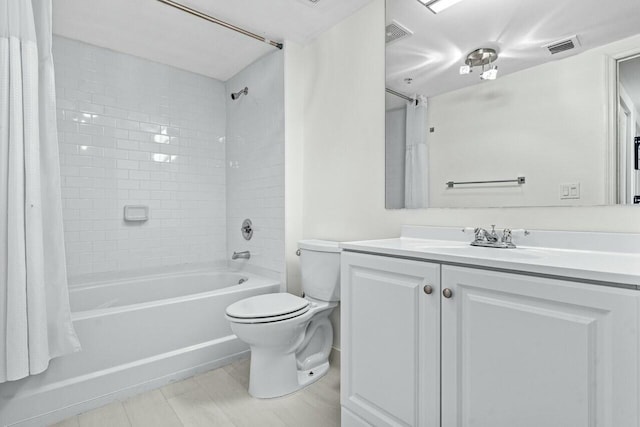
(243, 255)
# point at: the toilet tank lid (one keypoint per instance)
(319, 245)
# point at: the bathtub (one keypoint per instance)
(136, 334)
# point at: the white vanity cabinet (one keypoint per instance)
(527, 351)
(390, 341)
(485, 348)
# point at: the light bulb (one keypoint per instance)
(490, 74)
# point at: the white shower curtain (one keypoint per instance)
(416, 185)
(35, 320)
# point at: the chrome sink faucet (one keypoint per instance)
(491, 239)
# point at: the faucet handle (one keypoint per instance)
(507, 234)
(480, 233)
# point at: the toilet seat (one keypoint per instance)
(267, 308)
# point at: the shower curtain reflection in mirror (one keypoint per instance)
(407, 161)
(35, 320)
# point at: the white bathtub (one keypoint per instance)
(136, 334)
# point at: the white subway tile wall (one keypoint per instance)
(255, 161)
(133, 131)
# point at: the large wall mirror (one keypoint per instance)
(502, 103)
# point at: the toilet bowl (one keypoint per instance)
(291, 337)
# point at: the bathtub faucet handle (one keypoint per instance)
(247, 229)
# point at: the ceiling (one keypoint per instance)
(518, 29)
(630, 79)
(152, 30)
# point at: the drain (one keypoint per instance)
(310, 373)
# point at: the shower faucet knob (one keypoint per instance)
(247, 229)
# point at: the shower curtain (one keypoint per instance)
(416, 185)
(35, 320)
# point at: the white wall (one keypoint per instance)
(137, 132)
(255, 162)
(344, 150)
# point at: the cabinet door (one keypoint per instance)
(390, 340)
(530, 352)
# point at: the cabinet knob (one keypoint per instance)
(447, 293)
(428, 289)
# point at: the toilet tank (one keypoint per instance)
(320, 269)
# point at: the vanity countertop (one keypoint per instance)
(602, 257)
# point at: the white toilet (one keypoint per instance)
(291, 337)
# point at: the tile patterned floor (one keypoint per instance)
(220, 398)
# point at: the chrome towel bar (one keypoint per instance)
(520, 180)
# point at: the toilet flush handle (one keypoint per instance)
(298, 252)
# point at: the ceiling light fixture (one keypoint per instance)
(483, 57)
(437, 6)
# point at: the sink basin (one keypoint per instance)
(442, 244)
(442, 247)
(476, 251)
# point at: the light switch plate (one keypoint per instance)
(570, 191)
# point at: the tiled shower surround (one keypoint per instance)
(136, 132)
(255, 157)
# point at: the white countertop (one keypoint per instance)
(621, 267)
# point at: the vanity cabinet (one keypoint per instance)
(390, 341)
(527, 351)
(485, 348)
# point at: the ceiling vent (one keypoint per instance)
(395, 32)
(562, 45)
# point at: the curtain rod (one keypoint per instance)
(220, 22)
(400, 95)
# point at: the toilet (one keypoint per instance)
(291, 337)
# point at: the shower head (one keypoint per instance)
(237, 95)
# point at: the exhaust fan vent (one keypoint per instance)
(395, 32)
(563, 45)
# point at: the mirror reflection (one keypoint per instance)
(629, 130)
(503, 103)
